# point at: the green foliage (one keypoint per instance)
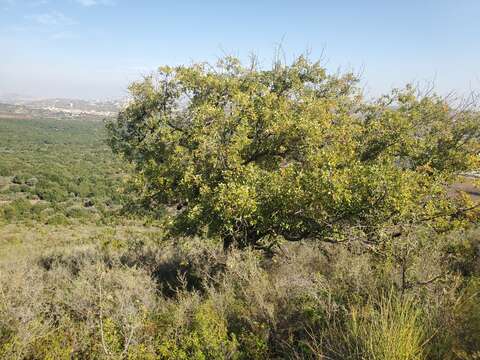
(252, 155)
(57, 219)
(205, 337)
(466, 323)
(57, 164)
(17, 208)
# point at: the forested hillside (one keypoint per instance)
(56, 171)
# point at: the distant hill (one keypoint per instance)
(17, 106)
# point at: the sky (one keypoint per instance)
(93, 49)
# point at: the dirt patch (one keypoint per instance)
(468, 186)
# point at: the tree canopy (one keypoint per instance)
(253, 155)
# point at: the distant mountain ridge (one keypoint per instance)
(58, 107)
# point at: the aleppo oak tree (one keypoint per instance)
(253, 155)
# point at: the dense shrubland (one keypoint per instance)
(135, 295)
(53, 171)
(268, 214)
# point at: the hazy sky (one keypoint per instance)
(93, 48)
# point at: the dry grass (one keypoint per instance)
(125, 293)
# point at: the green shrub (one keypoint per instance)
(16, 210)
(457, 333)
(17, 179)
(462, 252)
(204, 337)
(32, 181)
(57, 219)
(77, 212)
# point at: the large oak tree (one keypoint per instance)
(253, 155)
